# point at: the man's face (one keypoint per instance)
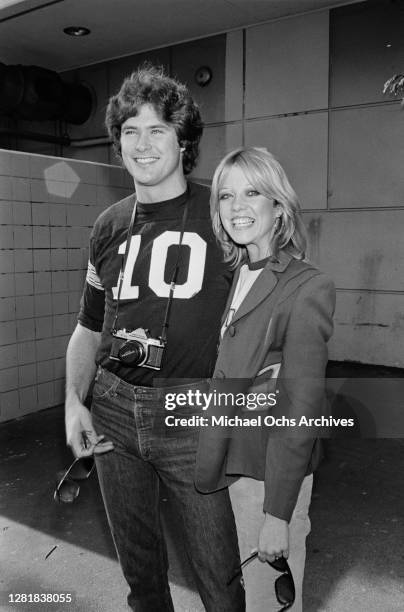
(150, 149)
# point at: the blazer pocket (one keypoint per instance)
(265, 381)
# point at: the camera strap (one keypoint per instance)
(173, 277)
(125, 258)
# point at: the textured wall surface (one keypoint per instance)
(47, 207)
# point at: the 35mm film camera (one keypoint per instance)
(137, 348)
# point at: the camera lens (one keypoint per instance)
(132, 353)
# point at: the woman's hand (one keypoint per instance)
(273, 539)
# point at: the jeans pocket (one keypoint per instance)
(103, 390)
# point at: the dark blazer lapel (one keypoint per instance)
(263, 286)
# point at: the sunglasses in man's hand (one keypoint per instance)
(68, 488)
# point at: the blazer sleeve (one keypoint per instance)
(301, 392)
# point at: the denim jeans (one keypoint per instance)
(146, 453)
(247, 497)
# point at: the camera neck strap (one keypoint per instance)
(125, 259)
(173, 276)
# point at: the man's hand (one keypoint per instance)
(80, 370)
(80, 433)
(273, 539)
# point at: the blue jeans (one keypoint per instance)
(147, 453)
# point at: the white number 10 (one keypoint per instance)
(159, 252)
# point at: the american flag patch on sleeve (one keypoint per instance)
(92, 277)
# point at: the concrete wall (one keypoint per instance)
(47, 207)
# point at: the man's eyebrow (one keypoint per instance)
(150, 127)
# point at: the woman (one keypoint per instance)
(276, 324)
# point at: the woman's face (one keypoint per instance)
(247, 216)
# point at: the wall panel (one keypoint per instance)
(369, 328)
(187, 58)
(300, 144)
(361, 249)
(216, 142)
(287, 66)
(366, 157)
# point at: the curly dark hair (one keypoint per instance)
(171, 100)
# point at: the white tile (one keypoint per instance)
(40, 213)
(28, 400)
(24, 307)
(43, 327)
(41, 237)
(5, 163)
(6, 262)
(8, 334)
(60, 281)
(25, 330)
(27, 375)
(6, 213)
(7, 285)
(23, 237)
(58, 237)
(5, 188)
(8, 379)
(24, 283)
(6, 237)
(20, 189)
(59, 259)
(42, 259)
(45, 371)
(46, 395)
(44, 349)
(39, 192)
(43, 305)
(60, 303)
(22, 214)
(26, 352)
(20, 164)
(23, 260)
(8, 356)
(42, 282)
(9, 405)
(60, 345)
(7, 308)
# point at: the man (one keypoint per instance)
(173, 284)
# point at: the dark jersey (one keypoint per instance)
(200, 294)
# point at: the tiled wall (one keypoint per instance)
(47, 207)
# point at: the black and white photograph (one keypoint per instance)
(201, 305)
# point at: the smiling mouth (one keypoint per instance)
(145, 160)
(242, 222)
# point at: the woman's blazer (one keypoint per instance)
(286, 319)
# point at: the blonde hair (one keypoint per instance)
(268, 177)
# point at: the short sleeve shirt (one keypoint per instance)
(200, 294)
